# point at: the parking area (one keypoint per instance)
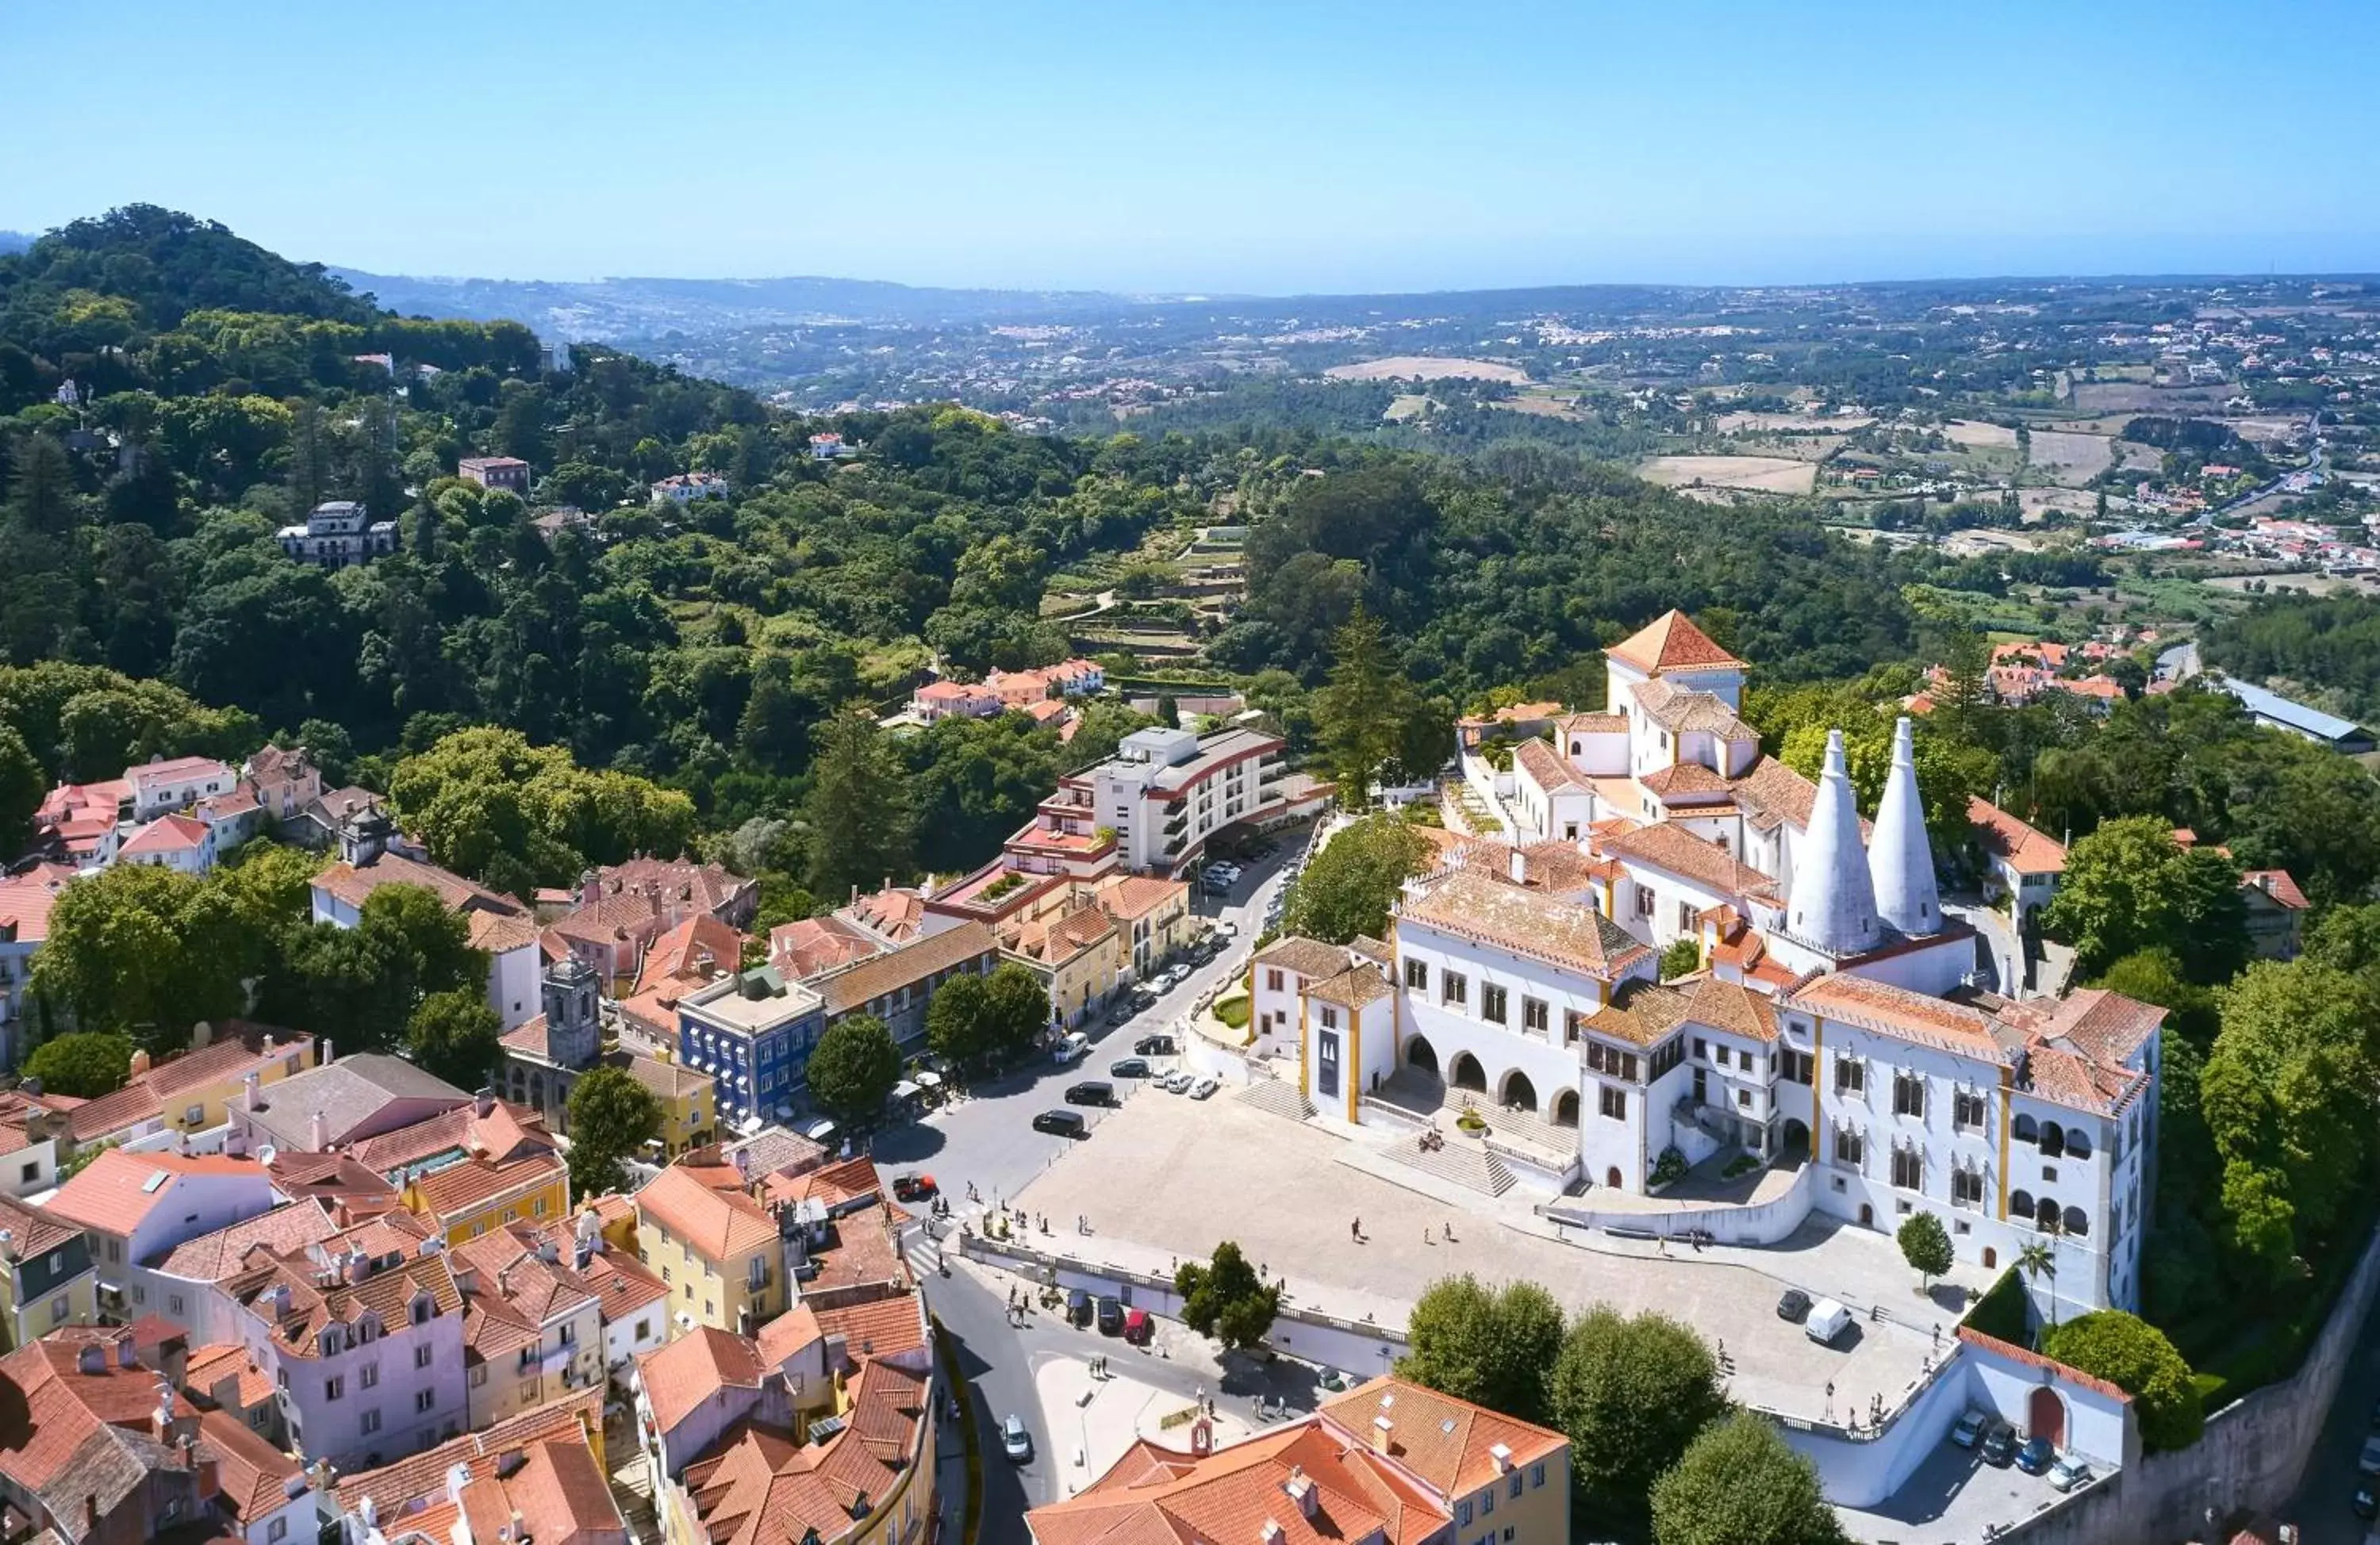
(1167, 1178)
(1953, 1498)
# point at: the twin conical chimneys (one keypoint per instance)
(1899, 858)
(1832, 904)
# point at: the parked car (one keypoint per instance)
(2069, 1473)
(1073, 1049)
(914, 1188)
(1204, 1088)
(821, 1132)
(1175, 1082)
(2363, 1501)
(1794, 1305)
(1143, 1000)
(1122, 1013)
(1153, 1045)
(2035, 1455)
(1091, 1092)
(1175, 977)
(1062, 1123)
(1015, 1441)
(1969, 1431)
(2000, 1445)
(1128, 1068)
(1138, 1328)
(1078, 1308)
(1828, 1321)
(1111, 1317)
(2368, 1462)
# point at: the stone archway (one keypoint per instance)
(1518, 1092)
(1420, 1053)
(1466, 1073)
(1793, 1142)
(2046, 1416)
(1565, 1112)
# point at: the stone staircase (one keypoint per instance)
(1277, 1095)
(1461, 1161)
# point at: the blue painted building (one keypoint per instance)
(753, 1033)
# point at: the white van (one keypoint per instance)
(1828, 1321)
(1072, 1050)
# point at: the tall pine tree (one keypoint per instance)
(862, 828)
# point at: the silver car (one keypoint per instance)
(1014, 1441)
(1204, 1088)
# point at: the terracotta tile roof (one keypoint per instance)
(619, 1280)
(226, 1373)
(1515, 713)
(1686, 778)
(1682, 712)
(2033, 1359)
(227, 1252)
(788, 1335)
(166, 770)
(166, 834)
(1560, 867)
(35, 1231)
(1129, 897)
(119, 1188)
(852, 987)
(118, 1111)
(77, 1438)
(884, 1328)
(1899, 1012)
(2023, 848)
(1476, 906)
(2279, 884)
(612, 918)
(508, 1131)
(314, 1308)
(2099, 1023)
(354, 883)
(775, 1151)
(815, 944)
(396, 1488)
(1641, 1013)
(1591, 724)
(26, 900)
(558, 1496)
(718, 1225)
(254, 1475)
(678, 881)
(763, 1490)
(1450, 1443)
(458, 1190)
(1545, 767)
(683, 1376)
(1665, 845)
(1306, 957)
(1732, 1007)
(1671, 643)
(1772, 793)
(896, 911)
(1353, 987)
(238, 1049)
(670, 1080)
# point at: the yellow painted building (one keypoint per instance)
(687, 1108)
(479, 1196)
(46, 1277)
(718, 1251)
(194, 1091)
(1073, 947)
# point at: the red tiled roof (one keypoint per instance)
(719, 1225)
(2029, 1358)
(1477, 906)
(680, 1377)
(1671, 643)
(254, 1475)
(398, 1486)
(114, 1192)
(166, 834)
(2026, 851)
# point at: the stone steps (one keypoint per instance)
(1459, 1162)
(1278, 1096)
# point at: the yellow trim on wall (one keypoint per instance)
(1818, 1078)
(2008, 1086)
(1351, 1065)
(1304, 1045)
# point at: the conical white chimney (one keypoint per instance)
(1900, 858)
(1832, 904)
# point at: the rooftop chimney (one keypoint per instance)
(1300, 1486)
(1271, 1532)
(1381, 1427)
(1900, 858)
(1832, 903)
(1520, 866)
(318, 1131)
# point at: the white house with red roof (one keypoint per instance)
(136, 1207)
(182, 842)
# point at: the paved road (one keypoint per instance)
(2320, 1508)
(986, 1139)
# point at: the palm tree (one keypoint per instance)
(2036, 1261)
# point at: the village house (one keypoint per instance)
(532, 1327)
(499, 926)
(92, 1451)
(508, 472)
(338, 534)
(136, 1207)
(684, 487)
(47, 1280)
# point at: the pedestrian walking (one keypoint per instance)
(1449, 1231)
(1355, 1231)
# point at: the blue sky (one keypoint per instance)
(1211, 144)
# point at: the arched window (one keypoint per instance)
(2053, 1139)
(2020, 1204)
(2024, 1130)
(1611, 1177)
(2047, 1214)
(2078, 1143)
(2078, 1221)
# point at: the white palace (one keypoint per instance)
(1834, 1033)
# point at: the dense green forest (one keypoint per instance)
(2326, 646)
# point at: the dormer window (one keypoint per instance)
(423, 1309)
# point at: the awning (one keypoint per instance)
(928, 1078)
(904, 1090)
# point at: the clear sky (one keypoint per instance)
(1270, 146)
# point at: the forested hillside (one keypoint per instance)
(2327, 647)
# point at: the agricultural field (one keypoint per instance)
(2072, 459)
(1793, 423)
(1416, 367)
(1739, 474)
(1975, 436)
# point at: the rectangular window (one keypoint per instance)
(1614, 1103)
(1533, 1015)
(278, 1529)
(368, 1375)
(1701, 1051)
(1454, 989)
(1796, 1067)
(1850, 1147)
(421, 1356)
(1643, 901)
(334, 1387)
(1536, 1477)
(31, 1173)
(478, 1375)
(1417, 975)
(1491, 1003)
(1487, 1501)
(1516, 1485)
(423, 1400)
(1909, 1096)
(1908, 1168)
(174, 1304)
(370, 1424)
(1463, 1515)
(1966, 1188)
(1966, 1109)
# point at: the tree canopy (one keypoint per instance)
(2135, 1356)
(1350, 885)
(1739, 1484)
(1224, 1298)
(853, 1069)
(612, 1116)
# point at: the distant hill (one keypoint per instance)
(14, 241)
(618, 307)
(170, 264)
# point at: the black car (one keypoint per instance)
(1153, 1045)
(1078, 1308)
(2363, 1501)
(1091, 1092)
(1111, 1317)
(1794, 1305)
(2000, 1445)
(1062, 1123)
(1128, 1068)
